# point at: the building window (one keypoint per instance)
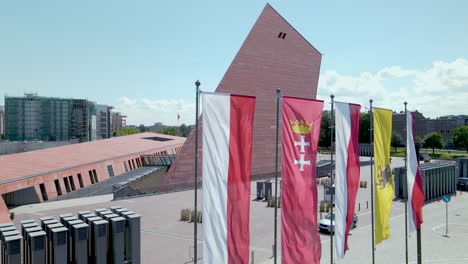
(95, 176)
(130, 165)
(57, 187)
(43, 192)
(91, 177)
(72, 182)
(125, 166)
(110, 170)
(80, 180)
(67, 184)
(133, 162)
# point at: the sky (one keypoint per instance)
(143, 57)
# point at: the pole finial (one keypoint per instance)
(197, 83)
(406, 103)
(332, 96)
(278, 90)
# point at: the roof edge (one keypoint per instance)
(285, 20)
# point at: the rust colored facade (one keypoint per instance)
(42, 175)
(274, 55)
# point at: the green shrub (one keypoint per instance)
(185, 215)
(199, 218)
(192, 216)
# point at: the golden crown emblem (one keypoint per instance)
(301, 126)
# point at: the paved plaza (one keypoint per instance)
(167, 240)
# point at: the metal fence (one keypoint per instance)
(438, 178)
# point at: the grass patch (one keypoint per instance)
(397, 154)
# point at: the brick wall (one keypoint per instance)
(263, 64)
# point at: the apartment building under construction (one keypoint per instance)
(34, 117)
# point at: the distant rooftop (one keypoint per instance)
(44, 161)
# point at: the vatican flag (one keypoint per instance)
(383, 180)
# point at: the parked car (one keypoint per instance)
(325, 226)
(462, 184)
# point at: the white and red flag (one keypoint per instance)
(300, 240)
(347, 171)
(415, 187)
(227, 161)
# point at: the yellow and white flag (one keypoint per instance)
(383, 180)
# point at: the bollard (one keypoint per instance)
(133, 239)
(252, 257)
(99, 230)
(36, 241)
(116, 240)
(12, 253)
(79, 240)
(367, 204)
(359, 207)
(58, 251)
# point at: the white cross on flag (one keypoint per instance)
(300, 240)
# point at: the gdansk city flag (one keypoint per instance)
(414, 179)
(383, 180)
(227, 162)
(300, 240)
(347, 171)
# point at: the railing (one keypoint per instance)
(158, 159)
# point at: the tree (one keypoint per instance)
(184, 130)
(418, 140)
(364, 128)
(460, 137)
(172, 130)
(127, 131)
(397, 141)
(324, 139)
(142, 128)
(434, 140)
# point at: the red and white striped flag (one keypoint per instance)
(347, 171)
(300, 240)
(227, 161)
(415, 187)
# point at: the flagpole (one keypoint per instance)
(278, 98)
(178, 127)
(406, 179)
(197, 83)
(418, 234)
(418, 231)
(331, 179)
(371, 117)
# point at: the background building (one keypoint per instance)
(2, 120)
(34, 117)
(424, 126)
(118, 121)
(104, 121)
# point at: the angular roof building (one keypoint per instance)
(274, 55)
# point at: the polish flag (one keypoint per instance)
(347, 171)
(415, 187)
(227, 161)
(300, 240)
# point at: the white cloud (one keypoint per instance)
(148, 112)
(394, 72)
(439, 90)
(442, 89)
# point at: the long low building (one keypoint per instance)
(43, 175)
